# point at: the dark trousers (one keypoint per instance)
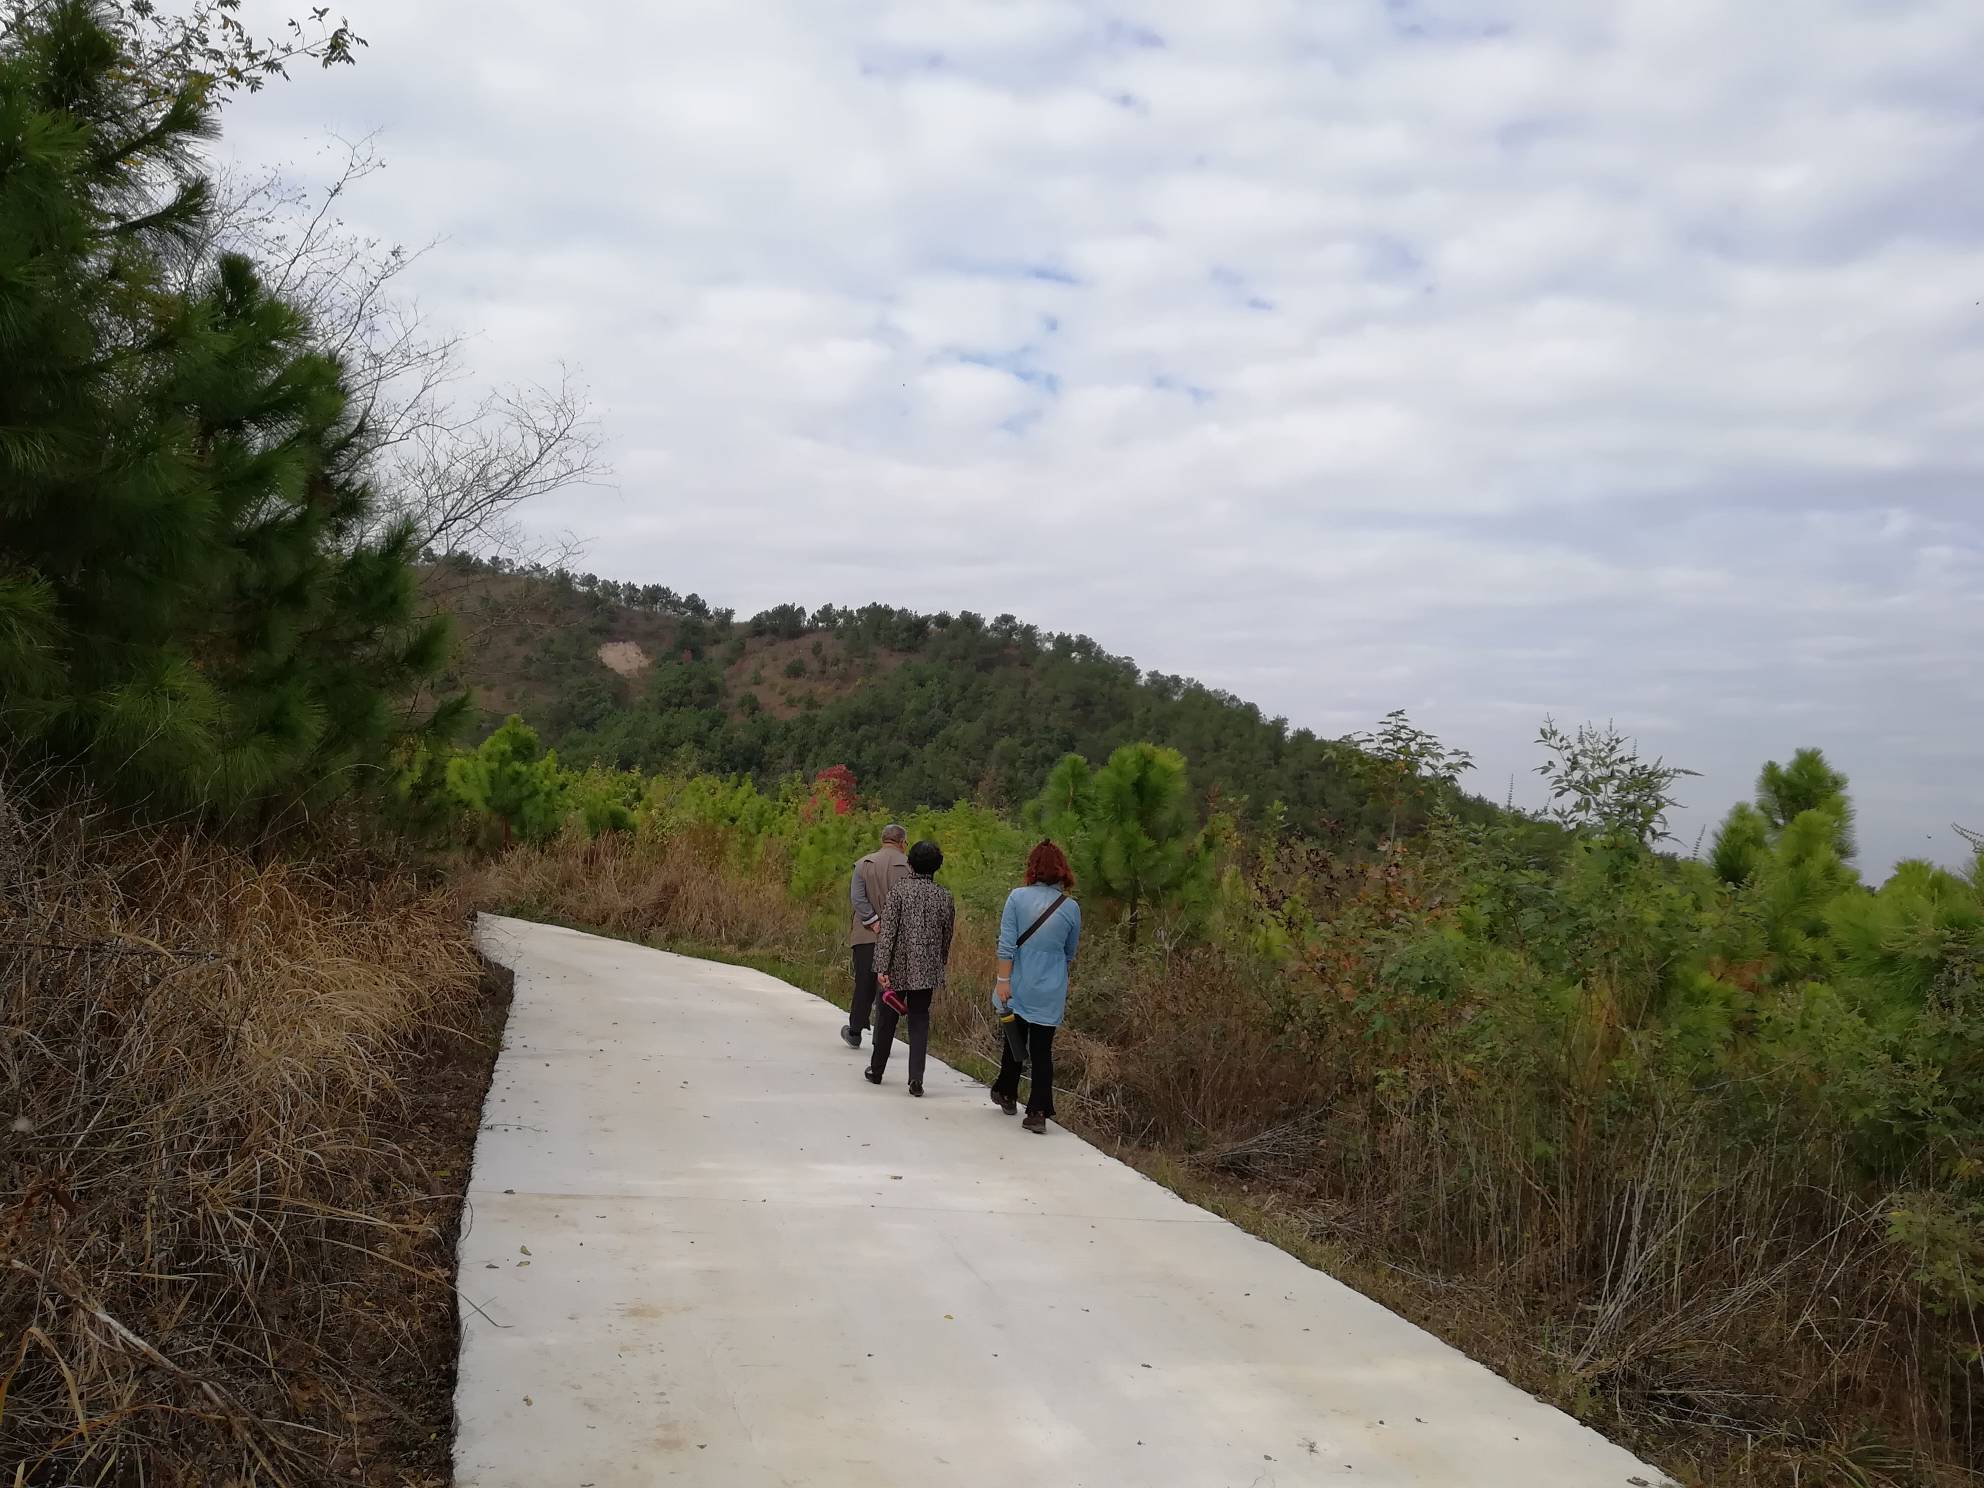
(864, 988)
(919, 1034)
(1038, 1041)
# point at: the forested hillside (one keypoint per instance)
(926, 710)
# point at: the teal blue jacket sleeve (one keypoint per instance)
(1009, 926)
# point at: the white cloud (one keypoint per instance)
(1621, 361)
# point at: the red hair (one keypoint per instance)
(1048, 864)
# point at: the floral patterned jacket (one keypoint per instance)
(913, 946)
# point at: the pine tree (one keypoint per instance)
(511, 779)
(1749, 835)
(1742, 844)
(1916, 940)
(1129, 827)
(1794, 889)
(1808, 783)
(1063, 807)
(605, 799)
(319, 632)
(193, 606)
(101, 513)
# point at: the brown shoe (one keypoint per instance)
(1006, 1103)
(1035, 1123)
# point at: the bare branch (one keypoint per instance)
(459, 475)
(462, 482)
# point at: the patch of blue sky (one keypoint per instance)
(1200, 395)
(893, 62)
(1521, 135)
(1049, 274)
(1418, 20)
(1018, 364)
(1038, 271)
(1041, 271)
(1240, 288)
(1393, 258)
(1124, 35)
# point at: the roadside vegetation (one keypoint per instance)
(1689, 1147)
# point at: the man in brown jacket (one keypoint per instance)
(867, 895)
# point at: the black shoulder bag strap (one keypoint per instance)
(1045, 915)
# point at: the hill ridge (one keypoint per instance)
(925, 709)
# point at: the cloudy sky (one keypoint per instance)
(1616, 361)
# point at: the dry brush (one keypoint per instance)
(225, 1240)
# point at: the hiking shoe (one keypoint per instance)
(1035, 1123)
(916, 1087)
(1006, 1103)
(849, 1037)
(871, 1076)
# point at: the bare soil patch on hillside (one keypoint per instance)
(625, 657)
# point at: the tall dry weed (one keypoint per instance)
(682, 887)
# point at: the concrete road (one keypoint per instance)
(703, 1250)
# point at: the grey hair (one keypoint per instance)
(894, 833)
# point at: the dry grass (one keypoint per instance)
(682, 889)
(219, 1262)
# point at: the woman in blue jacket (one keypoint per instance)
(1038, 935)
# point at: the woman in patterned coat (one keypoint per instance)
(912, 951)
